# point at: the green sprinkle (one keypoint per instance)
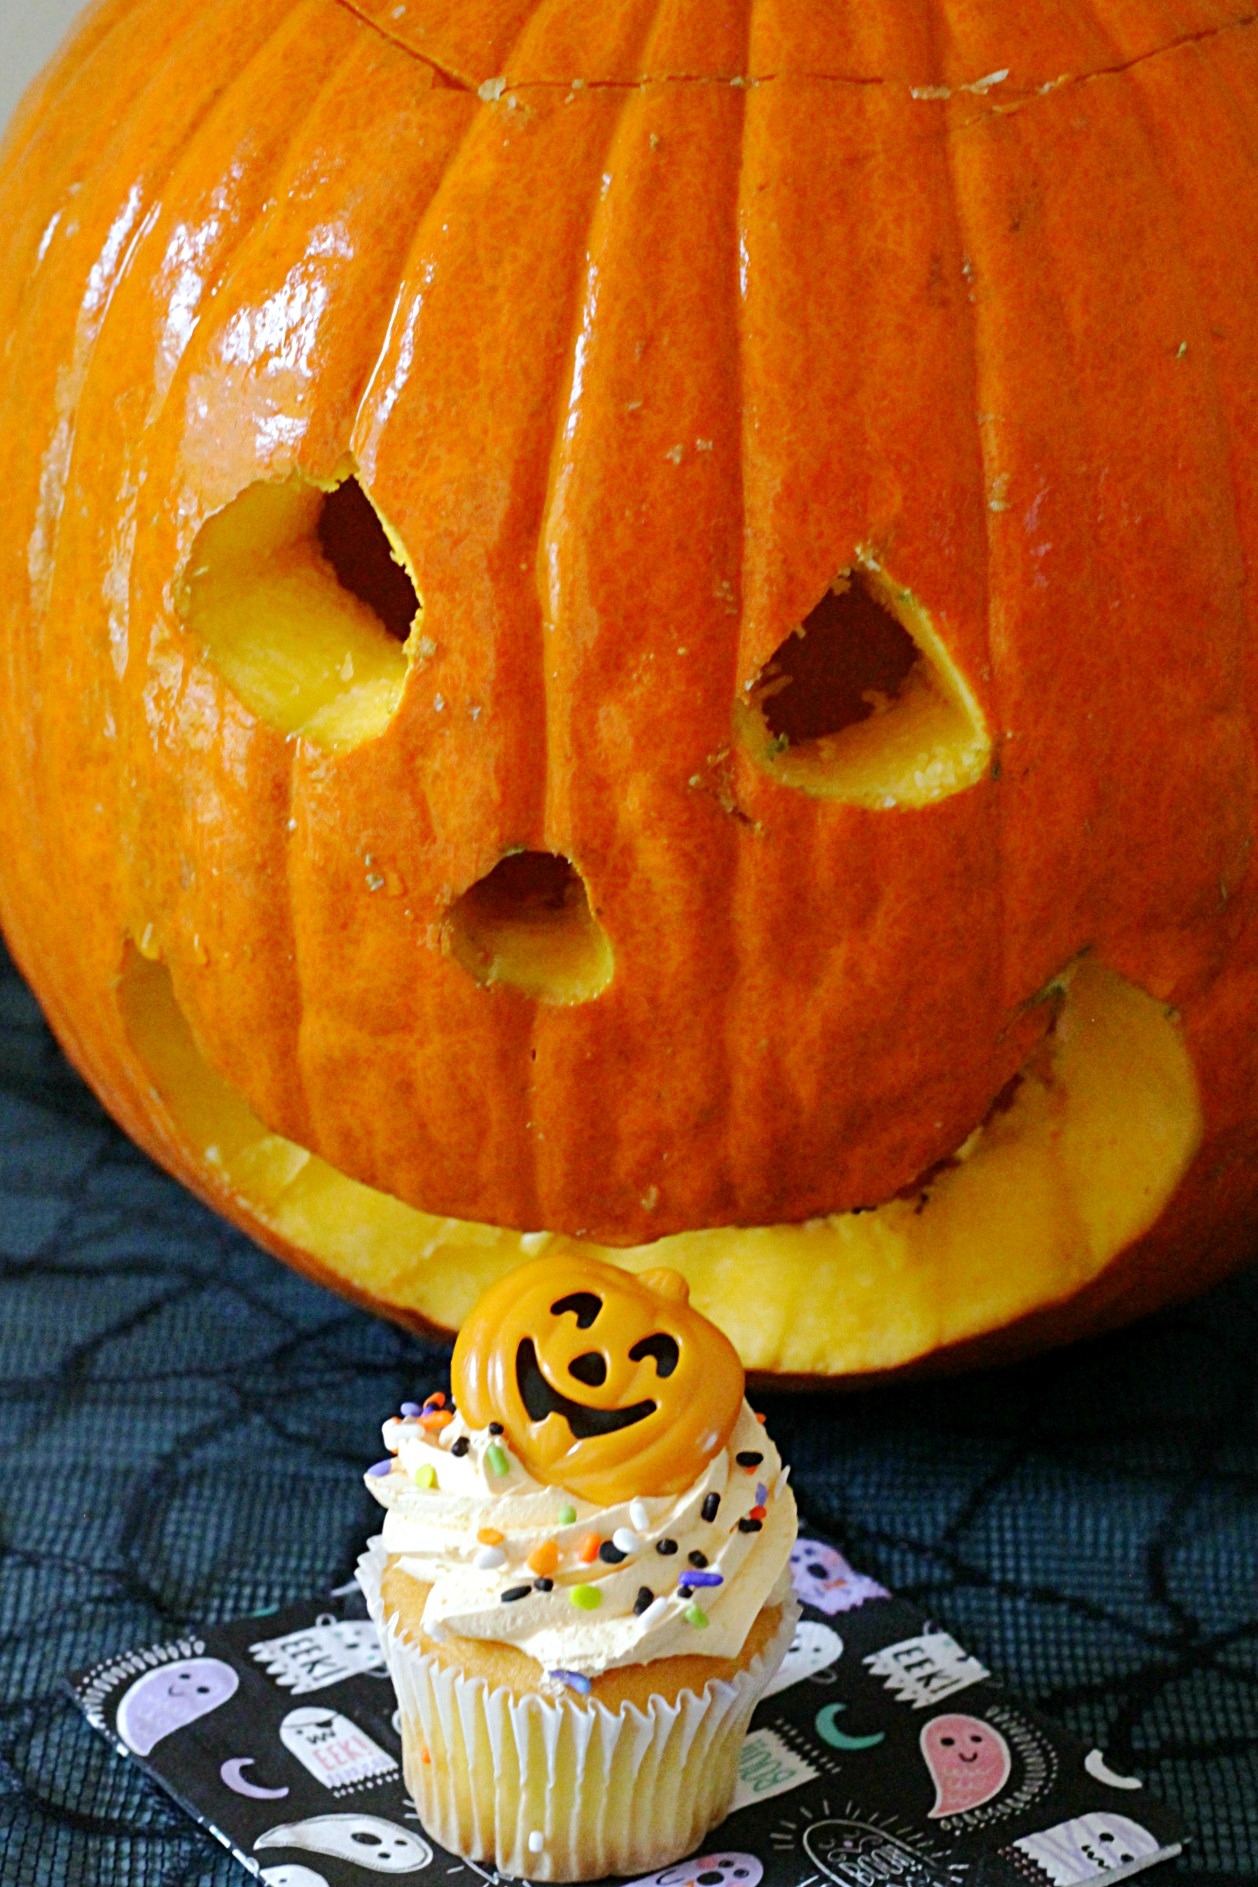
(695, 1615)
(567, 1514)
(426, 1476)
(589, 1598)
(496, 1460)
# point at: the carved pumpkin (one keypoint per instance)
(613, 633)
(607, 1384)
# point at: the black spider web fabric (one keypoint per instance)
(183, 1425)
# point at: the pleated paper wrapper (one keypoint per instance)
(609, 1792)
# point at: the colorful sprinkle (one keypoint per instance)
(749, 1525)
(586, 1598)
(380, 1467)
(489, 1536)
(543, 1585)
(697, 1559)
(666, 1546)
(748, 1458)
(426, 1475)
(436, 1400)
(411, 1408)
(459, 1446)
(610, 1553)
(758, 1513)
(699, 1579)
(515, 1592)
(537, 1841)
(645, 1598)
(567, 1514)
(496, 1460)
(544, 1558)
(436, 1420)
(685, 1592)
(575, 1680)
(638, 1515)
(695, 1615)
(762, 1493)
(424, 1757)
(711, 1505)
(588, 1549)
(495, 1428)
(627, 1540)
(762, 1419)
(489, 1559)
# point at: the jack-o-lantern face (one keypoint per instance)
(605, 1383)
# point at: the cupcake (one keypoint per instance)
(582, 1585)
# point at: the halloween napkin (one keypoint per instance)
(885, 1755)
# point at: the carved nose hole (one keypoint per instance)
(589, 1369)
(299, 601)
(529, 925)
(355, 543)
(863, 703)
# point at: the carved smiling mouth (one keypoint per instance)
(541, 1400)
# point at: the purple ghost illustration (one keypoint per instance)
(171, 1697)
(822, 1577)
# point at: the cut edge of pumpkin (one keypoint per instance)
(1047, 1192)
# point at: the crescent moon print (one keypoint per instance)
(1099, 1770)
(232, 1772)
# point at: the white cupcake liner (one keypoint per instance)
(609, 1792)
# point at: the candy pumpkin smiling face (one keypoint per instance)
(605, 1383)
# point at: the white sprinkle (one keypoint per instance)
(639, 1515)
(491, 90)
(489, 1559)
(537, 1841)
(626, 1540)
(392, 1434)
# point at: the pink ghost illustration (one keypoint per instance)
(969, 1762)
(822, 1577)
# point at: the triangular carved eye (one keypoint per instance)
(528, 925)
(302, 603)
(862, 703)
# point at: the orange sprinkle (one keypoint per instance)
(436, 1419)
(489, 1536)
(436, 1400)
(588, 1549)
(762, 1419)
(424, 1757)
(544, 1559)
(758, 1513)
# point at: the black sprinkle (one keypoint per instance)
(685, 1592)
(711, 1506)
(645, 1597)
(543, 1585)
(699, 1560)
(495, 1428)
(461, 1446)
(666, 1546)
(610, 1554)
(748, 1458)
(750, 1526)
(515, 1592)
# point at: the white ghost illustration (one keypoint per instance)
(814, 1648)
(333, 1748)
(709, 1870)
(822, 1577)
(168, 1698)
(326, 1652)
(368, 1840)
(1088, 1848)
(292, 1874)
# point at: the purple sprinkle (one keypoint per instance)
(411, 1408)
(574, 1680)
(382, 1467)
(700, 1579)
(762, 1493)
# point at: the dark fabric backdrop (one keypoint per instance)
(183, 1424)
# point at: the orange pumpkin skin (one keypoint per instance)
(633, 367)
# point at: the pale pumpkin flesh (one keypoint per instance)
(1099, 1132)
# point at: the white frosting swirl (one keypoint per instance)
(439, 1502)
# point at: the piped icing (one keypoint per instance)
(577, 1586)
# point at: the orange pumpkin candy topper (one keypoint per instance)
(606, 1382)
